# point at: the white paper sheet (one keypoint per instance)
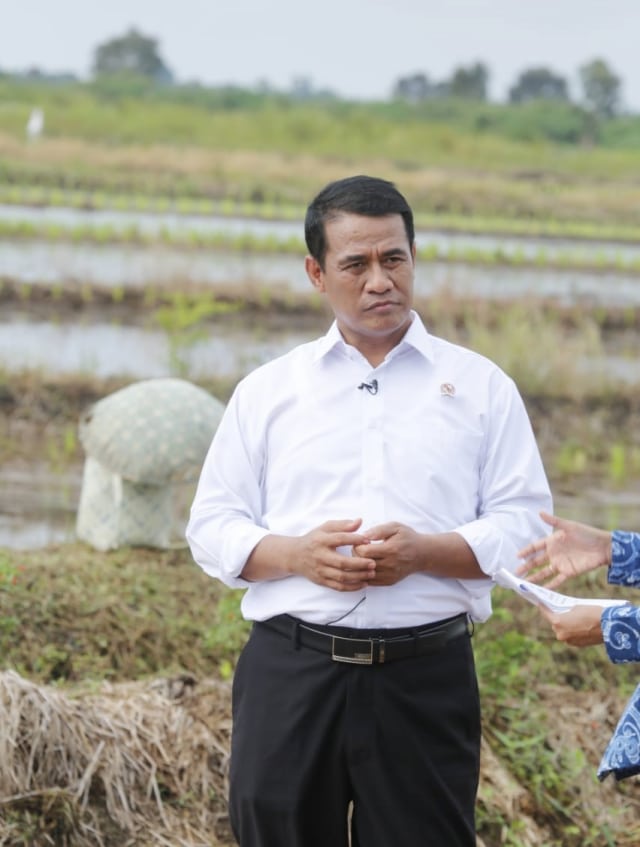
(553, 600)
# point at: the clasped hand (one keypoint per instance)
(381, 556)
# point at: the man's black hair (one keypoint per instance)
(355, 195)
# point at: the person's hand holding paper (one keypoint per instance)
(579, 626)
(545, 598)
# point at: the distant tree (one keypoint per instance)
(132, 54)
(601, 88)
(538, 84)
(415, 88)
(470, 83)
(304, 88)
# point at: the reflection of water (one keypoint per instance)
(52, 521)
(24, 532)
(616, 509)
(116, 265)
(227, 349)
(106, 350)
(38, 506)
(153, 223)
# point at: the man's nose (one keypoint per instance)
(378, 279)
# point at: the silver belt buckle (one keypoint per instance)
(357, 658)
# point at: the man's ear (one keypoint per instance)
(314, 272)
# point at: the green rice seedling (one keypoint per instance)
(571, 459)
(184, 311)
(61, 448)
(500, 257)
(141, 203)
(131, 234)
(78, 233)
(52, 231)
(541, 257)
(151, 296)
(618, 470)
(429, 252)
(228, 206)
(56, 197)
(293, 244)
(102, 234)
(533, 347)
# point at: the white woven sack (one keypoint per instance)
(154, 431)
(114, 512)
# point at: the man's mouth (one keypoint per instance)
(382, 304)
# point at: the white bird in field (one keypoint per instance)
(35, 124)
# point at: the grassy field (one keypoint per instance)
(456, 160)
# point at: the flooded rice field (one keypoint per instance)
(38, 506)
(108, 350)
(38, 498)
(156, 223)
(118, 266)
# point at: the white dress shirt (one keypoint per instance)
(444, 445)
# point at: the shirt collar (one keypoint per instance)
(416, 336)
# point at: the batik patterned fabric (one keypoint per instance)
(621, 632)
(625, 559)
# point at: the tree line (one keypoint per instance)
(135, 55)
(601, 88)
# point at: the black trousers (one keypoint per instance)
(399, 741)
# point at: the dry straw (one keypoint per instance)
(141, 763)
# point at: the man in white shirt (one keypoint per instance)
(362, 489)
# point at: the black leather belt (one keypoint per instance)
(374, 647)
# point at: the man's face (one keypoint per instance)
(367, 279)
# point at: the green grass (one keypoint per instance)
(147, 612)
(535, 163)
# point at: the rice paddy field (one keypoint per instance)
(146, 235)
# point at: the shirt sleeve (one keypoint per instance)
(224, 524)
(625, 558)
(513, 486)
(621, 633)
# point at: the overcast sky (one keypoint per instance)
(357, 48)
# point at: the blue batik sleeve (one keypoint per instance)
(621, 633)
(625, 558)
